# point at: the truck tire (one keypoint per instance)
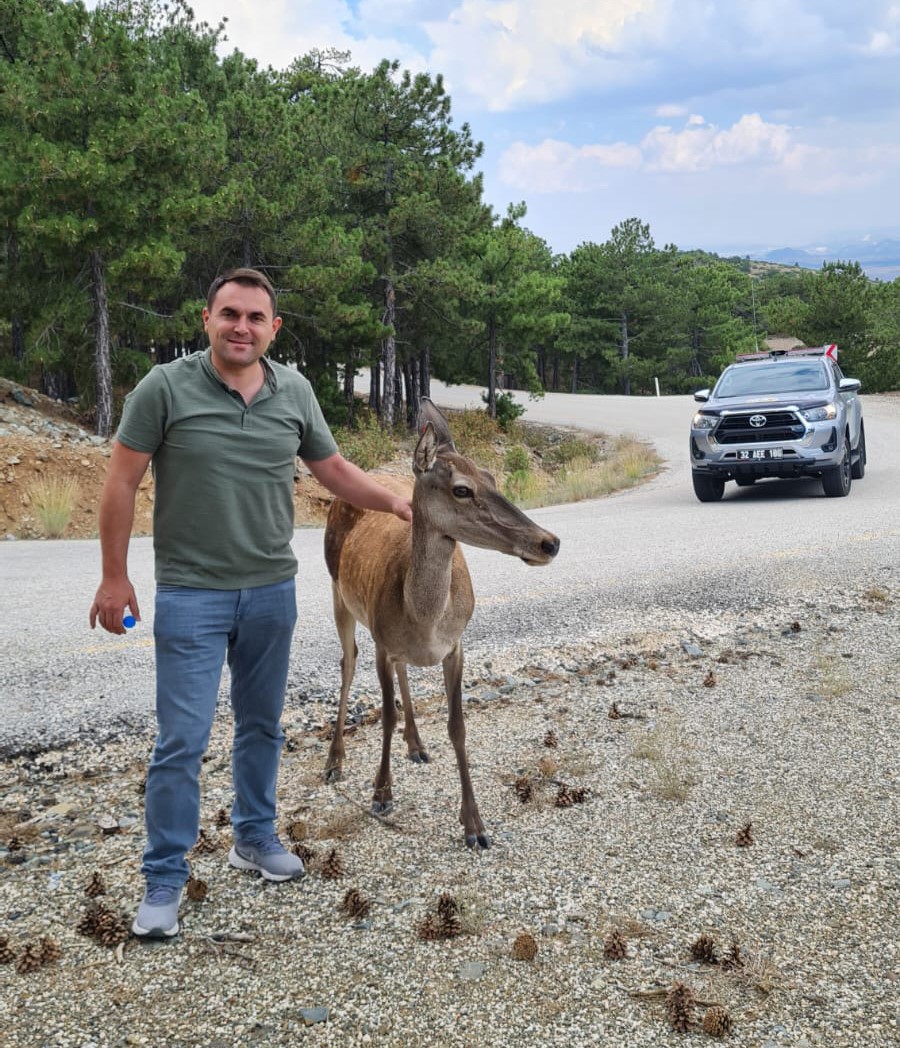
(858, 471)
(707, 489)
(836, 481)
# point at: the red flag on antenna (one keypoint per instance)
(831, 351)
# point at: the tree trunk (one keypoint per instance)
(555, 379)
(425, 372)
(388, 357)
(375, 388)
(492, 367)
(411, 382)
(574, 374)
(102, 362)
(349, 398)
(398, 391)
(626, 379)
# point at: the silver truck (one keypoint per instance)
(784, 413)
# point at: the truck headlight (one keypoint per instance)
(702, 421)
(821, 414)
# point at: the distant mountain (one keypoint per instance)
(880, 259)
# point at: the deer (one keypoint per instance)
(409, 586)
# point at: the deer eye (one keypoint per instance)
(460, 491)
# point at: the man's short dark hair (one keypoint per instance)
(246, 278)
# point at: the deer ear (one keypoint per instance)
(429, 413)
(426, 450)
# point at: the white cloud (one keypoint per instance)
(515, 52)
(554, 166)
(702, 146)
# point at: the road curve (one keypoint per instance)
(646, 558)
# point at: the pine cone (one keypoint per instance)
(355, 904)
(304, 853)
(297, 830)
(579, 794)
(90, 918)
(14, 844)
(195, 889)
(30, 960)
(734, 958)
(550, 740)
(7, 953)
(449, 914)
(222, 819)
(95, 886)
(112, 929)
(614, 712)
(333, 866)
(206, 844)
(564, 797)
(615, 947)
(744, 837)
(430, 928)
(717, 1022)
(524, 948)
(50, 951)
(679, 1006)
(709, 681)
(524, 789)
(704, 950)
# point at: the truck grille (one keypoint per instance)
(780, 426)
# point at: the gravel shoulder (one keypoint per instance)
(785, 720)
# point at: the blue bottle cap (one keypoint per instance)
(129, 621)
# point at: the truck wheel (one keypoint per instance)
(707, 489)
(858, 470)
(836, 481)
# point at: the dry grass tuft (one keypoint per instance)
(669, 754)
(53, 498)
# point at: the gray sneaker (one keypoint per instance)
(268, 857)
(157, 916)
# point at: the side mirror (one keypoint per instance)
(850, 385)
(702, 395)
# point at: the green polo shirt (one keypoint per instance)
(223, 513)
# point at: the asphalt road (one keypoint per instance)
(653, 556)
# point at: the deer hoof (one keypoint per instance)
(419, 757)
(333, 775)
(480, 840)
(382, 807)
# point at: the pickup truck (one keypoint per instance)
(783, 413)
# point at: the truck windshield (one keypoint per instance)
(772, 378)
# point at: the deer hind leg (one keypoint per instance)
(469, 816)
(414, 747)
(383, 797)
(346, 629)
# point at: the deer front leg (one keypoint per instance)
(383, 797)
(469, 816)
(346, 628)
(414, 748)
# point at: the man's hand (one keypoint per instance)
(112, 598)
(402, 508)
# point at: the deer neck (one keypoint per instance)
(426, 588)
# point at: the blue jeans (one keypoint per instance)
(193, 630)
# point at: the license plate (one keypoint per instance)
(761, 453)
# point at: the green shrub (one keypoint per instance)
(368, 445)
(507, 408)
(517, 459)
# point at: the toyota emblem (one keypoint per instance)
(757, 421)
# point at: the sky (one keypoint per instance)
(728, 125)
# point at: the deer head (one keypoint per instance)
(456, 498)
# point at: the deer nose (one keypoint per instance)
(550, 546)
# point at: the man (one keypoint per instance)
(222, 428)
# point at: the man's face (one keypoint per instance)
(240, 326)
